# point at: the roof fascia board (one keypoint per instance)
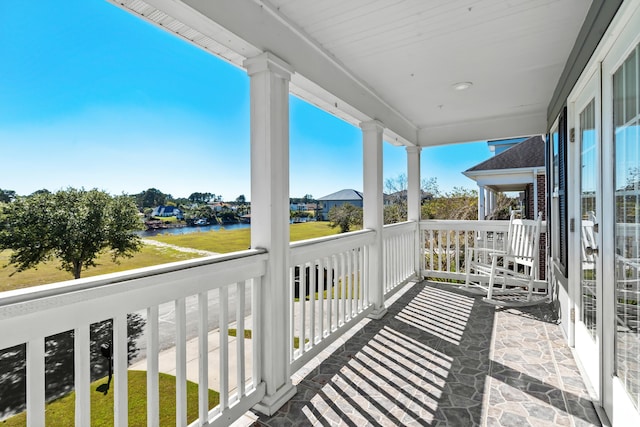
(505, 180)
(482, 130)
(538, 170)
(259, 25)
(595, 25)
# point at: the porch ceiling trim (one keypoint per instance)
(482, 130)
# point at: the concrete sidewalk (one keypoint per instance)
(167, 365)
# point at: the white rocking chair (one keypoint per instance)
(509, 277)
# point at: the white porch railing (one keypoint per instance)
(29, 316)
(328, 292)
(444, 244)
(400, 246)
(329, 289)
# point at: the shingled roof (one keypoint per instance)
(527, 154)
(346, 194)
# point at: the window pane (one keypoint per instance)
(627, 218)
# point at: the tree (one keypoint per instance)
(203, 211)
(397, 188)
(241, 199)
(394, 213)
(73, 226)
(201, 197)
(504, 206)
(345, 216)
(460, 203)
(151, 198)
(7, 196)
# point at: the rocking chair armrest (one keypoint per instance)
(487, 250)
(503, 254)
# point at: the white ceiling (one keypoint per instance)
(396, 60)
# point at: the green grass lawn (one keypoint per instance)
(61, 412)
(49, 272)
(224, 241)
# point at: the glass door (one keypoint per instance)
(626, 288)
(588, 287)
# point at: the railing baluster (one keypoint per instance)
(120, 351)
(35, 383)
(359, 280)
(457, 246)
(292, 309)
(365, 277)
(82, 373)
(447, 250)
(312, 302)
(240, 350)
(181, 362)
(224, 347)
(203, 353)
(256, 331)
(433, 249)
(153, 391)
(333, 288)
(349, 287)
(322, 288)
(343, 291)
(302, 295)
(385, 269)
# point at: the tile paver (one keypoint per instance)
(442, 357)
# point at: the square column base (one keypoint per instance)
(378, 313)
(270, 404)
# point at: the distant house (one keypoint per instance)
(298, 207)
(219, 206)
(518, 166)
(165, 211)
(401, 196)
(338, 199)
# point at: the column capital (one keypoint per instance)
(413, 149)
(267, 61)
(372, 125)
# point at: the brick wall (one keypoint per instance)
(542, 207)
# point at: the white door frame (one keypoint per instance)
(619, 40)
(617, 403)
(589, 350)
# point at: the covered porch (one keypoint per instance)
(399, 350)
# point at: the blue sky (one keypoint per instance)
(91, 96)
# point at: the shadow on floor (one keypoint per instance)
(429, 362)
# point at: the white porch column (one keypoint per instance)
(481, 215)
(373, 210)
(414, 199)
(492, 202)
(269, 81)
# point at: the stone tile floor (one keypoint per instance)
(442, 357)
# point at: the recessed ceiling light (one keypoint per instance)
(462, 85)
